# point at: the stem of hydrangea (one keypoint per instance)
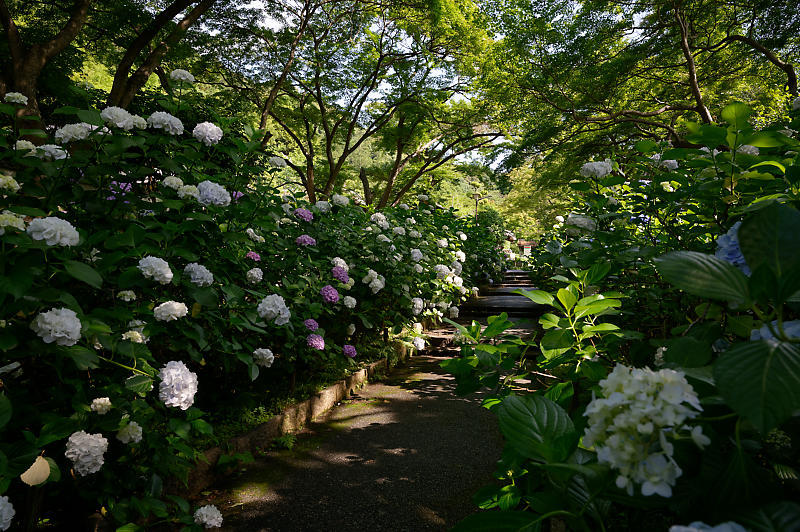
(122, 365)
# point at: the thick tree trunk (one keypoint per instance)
(138, 79)
(694, 84)
(362, 175)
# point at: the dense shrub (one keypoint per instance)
(149, 277)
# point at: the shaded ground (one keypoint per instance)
(405, 455)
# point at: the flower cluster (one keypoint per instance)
(59, 325)
(305, 240)
(273, 307)
(54, 231)
(210, 193)
(349, 350)
(178, 385)
(207, 133)
(630, 425)
(170, 311)
(156, 269)
(311, 324)
(304, 214)
(315, 341)
(598, 169)
(208, 516)
(198, 274)
(375, 281)
(86, 452)
(349, 302)
(263, 357)
(181, 75)
(329, 294)
(254, 275)
(119, 117)
(7, 511)
(728, 249)
(16, 97)
(130, 433)
(101, 405)
(340, 274)
(165, 121)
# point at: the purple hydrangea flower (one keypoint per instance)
(340, 274)
(253, 255)
(304, 214)
(728, 249)
(236, 195)
(349, 350)
(329, 294)
(315, 341)
(305, 240)
(119, 188)
(311, 324)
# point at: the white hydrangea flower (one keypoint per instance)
(163, 120)
(442, 243)
(380, 220)
(340, 262)
(461, 236)
(8, 183)
(54, 231)
(411, 221)
(16, 97)
(254, 275)
(349, 284)
(278, 162)
(457, 281)
(199, 274)
(190, 191)
(630, 424)
(416, 255)
(422, 197)
(263, 357)
(419, 343)
(351, 329)
(383, 238)
(101, 405)
(460, 256)
(417, 305)
(667, 186)
(208, 516)
(274, 307)
(349, 302)
(180, 74)
(669, 164)
(130, 433)
(59, 325)
(323, 206)
(560, 219)
(207, 133)
(126, 295)
(399, 230)
(51, 152)
(453, 312)
(598, 169)
(414, 234)
(156, 269)
(86, 452)
(139, 122)
(118, 117)
(796, 104)
(170, 311)
(173, 182)
(25, 145)
(582, 222)
(404, 206)
(442, 271)
(134, 336)
(378, 284)
(7, 511)
(287, 208)
(699, 526)
(418, 268)
(340, 200)
(748, 150)
(178, 385)
(211, 193)
(10, 219)
(255, 237)
(72, 132)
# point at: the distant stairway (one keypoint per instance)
(497, 298)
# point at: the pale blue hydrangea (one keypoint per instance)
(728, 249)
(791, 328)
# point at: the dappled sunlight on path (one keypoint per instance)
(404, 454)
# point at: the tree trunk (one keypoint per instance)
(362, 175)
(702, 110)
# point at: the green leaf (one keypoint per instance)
(703, 275)
(497, 324)
(764, 139)
(737, 114)
(601, 327)
(646, 146)
(596, 307)
(776, 164)
(89, 116)
(82, 357)
(537, 428)
(537, 296)
(780, 516)
(556, 342)
(759, 381)
(567, 298)
(709, 135)
(688, 352)
(180, 427)
(5, 410)
(499, 522)
(139, 384)
(84, 272)
(55, 472)
(770, 237)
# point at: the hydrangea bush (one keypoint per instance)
(149, 276)
(666, 367)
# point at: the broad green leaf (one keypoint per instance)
(537, 296)
(764, 139)
(646, 146)
(759, 381)
(771, 237)
(776, 164)
(567, 298)
(596, 307)
(84, 272)
(140, 384)
(497, 324)
(499, 521)
(537, 428)
(556, 342)
(703, 275)
(688, 352)
(737, 114)
(82, 357)
(601, 327)
(780, 516)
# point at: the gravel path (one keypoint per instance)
(406, 454)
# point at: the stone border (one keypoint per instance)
(292, 419)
